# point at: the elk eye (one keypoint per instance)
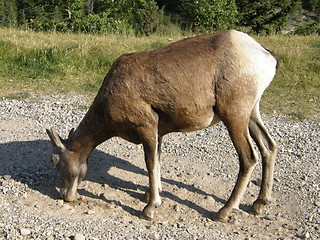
(55, 159)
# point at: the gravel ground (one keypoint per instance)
(198, 173)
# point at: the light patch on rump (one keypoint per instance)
(255, 60)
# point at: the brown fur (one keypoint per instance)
(185, 86)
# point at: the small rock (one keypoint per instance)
(257, 182)
(176, 208)
(306, 235)
(25, 231)
(91, 205)
(233, 220)
(110, 205)
(90, 212)
(7, 177)
(154, 236)
(209, 198)
(317, 203)
(79, 236)
(270, 217)
(50, 238)
(66, 206)
(151, 227)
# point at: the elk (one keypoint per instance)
(188, 85)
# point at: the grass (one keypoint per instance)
(45, 62)
(77, 63)
(296, 87)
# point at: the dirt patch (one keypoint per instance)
(198, 173)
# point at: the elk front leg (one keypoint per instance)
(147, 194)
(153, 166)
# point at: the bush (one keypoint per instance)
(208, 15)
(307, 29)
(265, 17)
(143, 15)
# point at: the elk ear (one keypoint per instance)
(55, 159)
(55, 138)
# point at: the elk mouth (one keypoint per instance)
(69, 194)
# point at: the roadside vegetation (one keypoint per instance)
(77, 63)
(69, 46)
(145, 17)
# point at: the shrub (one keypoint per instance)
(208, 15)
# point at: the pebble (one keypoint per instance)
(30, 174)
(90, 212)
(79, 236)
(270, 217)
(209, 198)
(66, 206)
(307, 235)
(154, 236)
(176, 208)
(317, 203)
(257, 182)
(25, 231)
(7, 177)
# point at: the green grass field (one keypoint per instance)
(77, 63)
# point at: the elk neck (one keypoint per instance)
(91, 131)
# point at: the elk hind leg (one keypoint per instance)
(268, 149)
(239, 133)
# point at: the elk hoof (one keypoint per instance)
(259, 205)
(223, 214)
(147, 213)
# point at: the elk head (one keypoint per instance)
(70, 165)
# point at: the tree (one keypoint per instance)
(266, 16)
(312, 5)
(8, 13)
(202, 15)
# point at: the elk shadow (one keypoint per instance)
(28, 162)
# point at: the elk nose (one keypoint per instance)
(68, 196)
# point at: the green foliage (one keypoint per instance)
(96, 16)
(145, 17)
(265, 17)
(312, 5)
(307, 29)
(295, 89)
(8, 13)
(202, 16)
(208, 16)
(66, 62)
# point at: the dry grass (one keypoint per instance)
(296, 87)
(56, 62)
(62, 62)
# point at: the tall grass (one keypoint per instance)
(62, 62)
(296, 87)
(77, 63)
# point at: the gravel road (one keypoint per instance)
(198, 173)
